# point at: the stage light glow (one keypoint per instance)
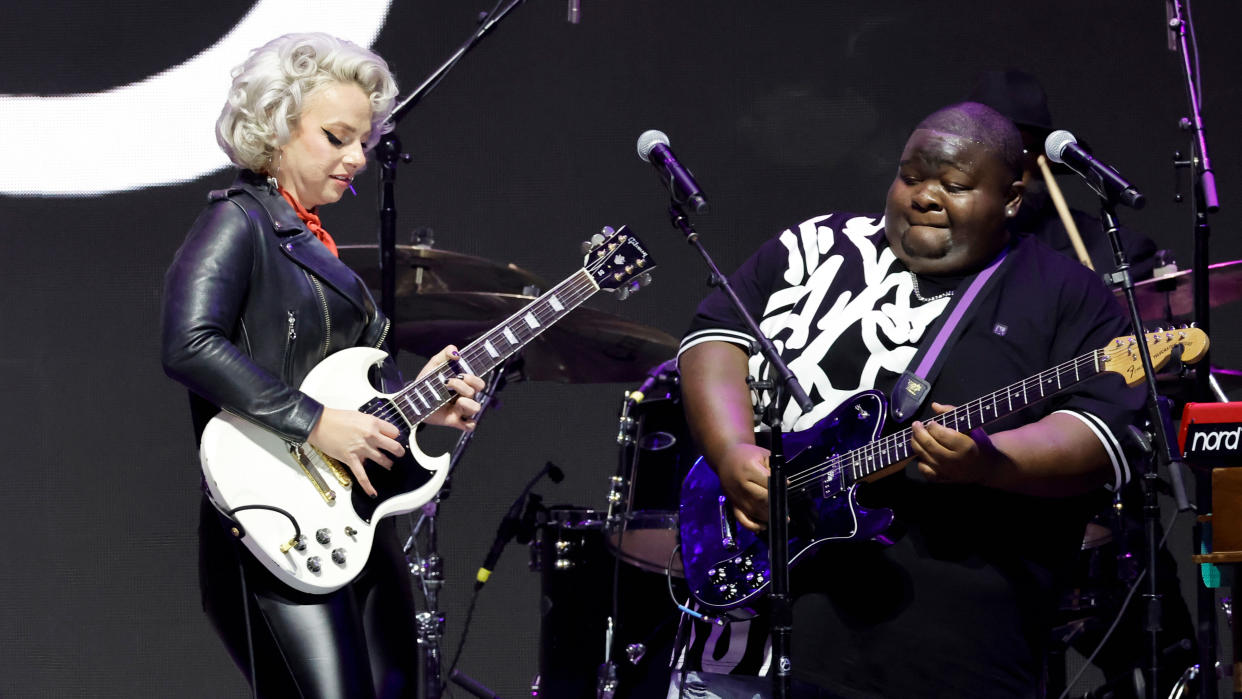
(159, 130)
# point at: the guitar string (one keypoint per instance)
(426, 388)
(575, 290)
(473, 356)
(901, 439)
(882, 447)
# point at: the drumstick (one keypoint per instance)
(1058, 201)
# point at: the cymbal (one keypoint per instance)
(422, 270)
(586, 346)
(1175, 292)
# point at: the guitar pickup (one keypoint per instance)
(728, 525)
(834, 482)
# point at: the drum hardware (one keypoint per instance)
(606, 685)
(1172, 295)
(634, 652)
(618, 492)
(427, 566)
(655, 453)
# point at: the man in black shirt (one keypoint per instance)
(1090, 609)
(987, 522)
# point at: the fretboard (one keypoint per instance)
(422, 397)
(886, 451)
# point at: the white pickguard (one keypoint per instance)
(245, 464)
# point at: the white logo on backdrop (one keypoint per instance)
(160, 130)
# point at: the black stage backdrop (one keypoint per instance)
(784, 109)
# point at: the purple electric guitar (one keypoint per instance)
(726, 565)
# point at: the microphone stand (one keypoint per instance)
(1205, 202)
(778, 527)
(1159, 414)
(427, 566)
(389, 154)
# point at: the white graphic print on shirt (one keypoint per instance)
(806, 324)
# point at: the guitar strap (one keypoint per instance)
(913, 385)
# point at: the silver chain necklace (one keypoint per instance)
(915, 279)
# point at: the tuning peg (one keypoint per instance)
(605, 232)
(623, 292)
(644, 279)
(595, 241)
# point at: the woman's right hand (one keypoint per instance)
(352, 437)
(743, 473)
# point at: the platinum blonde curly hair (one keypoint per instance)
(271, 87)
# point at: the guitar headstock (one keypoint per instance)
(1122, 355)
(618, 261)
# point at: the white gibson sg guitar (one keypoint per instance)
(299, 511)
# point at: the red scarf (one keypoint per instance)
(312, 223)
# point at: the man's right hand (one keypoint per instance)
(743, 473)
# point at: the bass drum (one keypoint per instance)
(577, 574)
(656, 454)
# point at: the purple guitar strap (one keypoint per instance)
(914, 384)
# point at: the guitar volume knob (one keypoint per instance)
(313, 565)
(323, 536)
(338, 556)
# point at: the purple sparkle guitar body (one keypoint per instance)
(726, 565)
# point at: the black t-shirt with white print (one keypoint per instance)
(959, 600)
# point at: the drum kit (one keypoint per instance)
(613, 642)
(620, 554)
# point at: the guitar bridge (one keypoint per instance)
(337, 468)
(727, 537)
(301, 459)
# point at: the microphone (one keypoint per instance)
(653, 148)
(511, 522)
(1062, 147)
(575, 11)
(663, 372)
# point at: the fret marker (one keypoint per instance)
(510, 337)
(531, 321)
(410, 401)
(487, 345)
(555, 303)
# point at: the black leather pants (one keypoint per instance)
(358, 642)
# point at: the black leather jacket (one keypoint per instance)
(252, 302)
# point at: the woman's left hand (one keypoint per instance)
(460, 411)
